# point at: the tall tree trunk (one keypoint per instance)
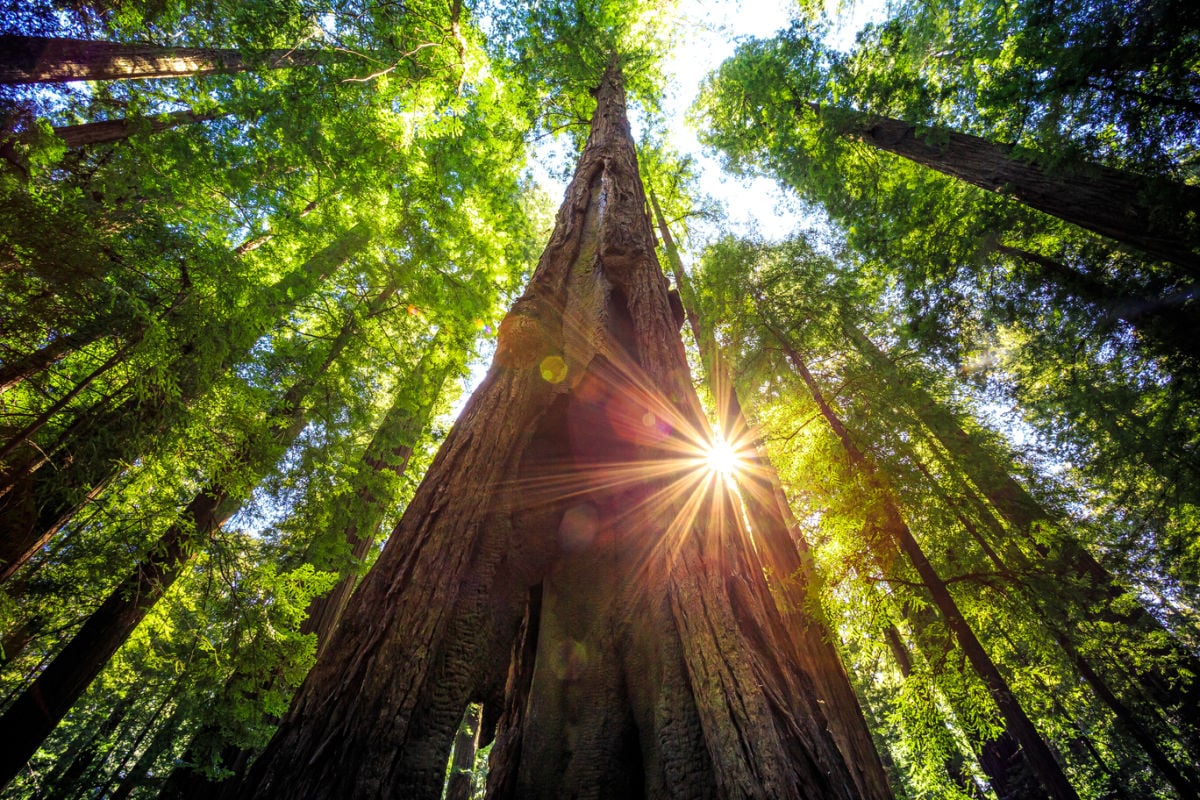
(459, 785)
(39, 506)
(660, 667)
(389, 452)
(164, 735)
(355, 520)
(114, 130)
(46, 701)
(1156, 216)
(1041, 763)
(783, 549)
(17, 370)
(1092, 589)
(36, 59)
(1166, 324)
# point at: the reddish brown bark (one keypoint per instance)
(33, 59)
(1156, 216)
(660, 667)
(781, 546)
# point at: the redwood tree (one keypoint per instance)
(566, 523)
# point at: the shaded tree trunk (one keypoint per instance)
(46, 701)
(1165, 323)
(459, 786)
(660, 665)
(1091, 589)
(39, 505)
(114, 130)
(35, 59)
(1033, 758)
(355, 520)
(1155, 216)
(14, 372)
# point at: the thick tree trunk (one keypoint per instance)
(33, 59)
(660, 666)
(114, 130)
(39, 505)
(1039, 760)
(1157, 217)
(781, 545)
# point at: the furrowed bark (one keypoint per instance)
(775, 529)
(34, 59)
(660, 666)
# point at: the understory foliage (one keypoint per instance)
(270, 305)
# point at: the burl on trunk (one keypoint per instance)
(570, 563)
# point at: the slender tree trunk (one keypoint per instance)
(1154, 216)
(34, 59)
(1167, 322)
(389, 452)
(38, 507)
(14, 372)
(1033, 750)
(356, 518)
(459, 786)
(163, 737)
(1093, 590)
(46, 701)
(114, 130)
(660, 667)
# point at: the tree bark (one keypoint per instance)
(660, 665)
(1040, 761)
(1157, 217)
(34, 59)
(783, 549)
(114, 130)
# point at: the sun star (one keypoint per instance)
(721, 458)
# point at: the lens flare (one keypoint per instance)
(721, 458)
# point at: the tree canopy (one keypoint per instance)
(254, 256)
